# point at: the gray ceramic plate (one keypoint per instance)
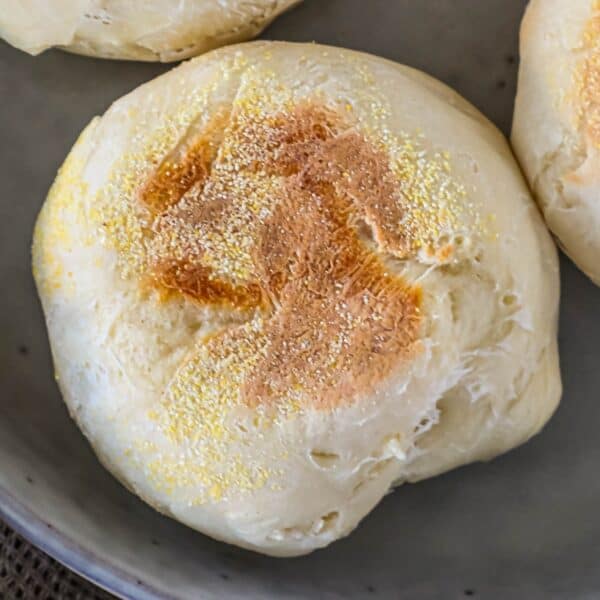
(525, 526)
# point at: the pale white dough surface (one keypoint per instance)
(149, 30)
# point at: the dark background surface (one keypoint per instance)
(526, 525)
(26, 573)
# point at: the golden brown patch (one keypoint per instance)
(195, 281)
(590, 78)
(275, 225)
(445, 253)
(180, 171)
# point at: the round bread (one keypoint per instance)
(556, 130)
(149, 30)
(282, 278)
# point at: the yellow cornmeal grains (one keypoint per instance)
(64, 203)
(587, 80)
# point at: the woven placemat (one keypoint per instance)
(26, 573)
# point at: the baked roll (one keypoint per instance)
(282, 278)
(556, 131)
(148, 30)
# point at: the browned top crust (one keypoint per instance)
(269, 214)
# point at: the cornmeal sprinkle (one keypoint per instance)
(588, 79)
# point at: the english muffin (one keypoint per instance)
(556, 131)
(148, 30)
(283, 278)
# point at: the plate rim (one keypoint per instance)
(79, 559)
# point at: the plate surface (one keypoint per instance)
(526, 525)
